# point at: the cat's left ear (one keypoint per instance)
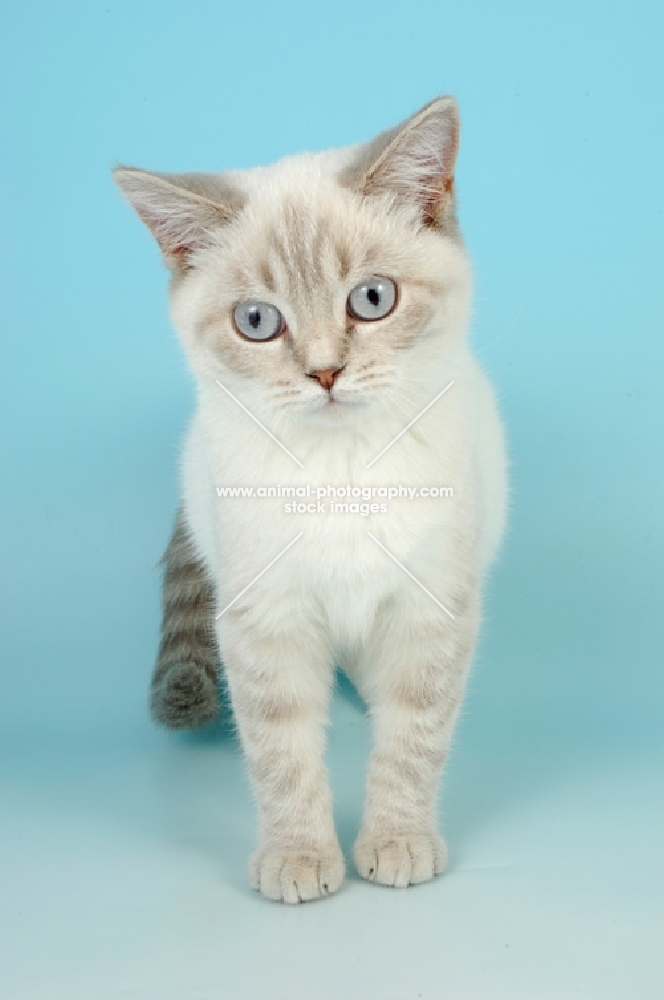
(414, 161)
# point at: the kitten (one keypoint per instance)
(323, 303)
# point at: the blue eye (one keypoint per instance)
(373, 299)
(258, 320)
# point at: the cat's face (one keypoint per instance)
(322, 284)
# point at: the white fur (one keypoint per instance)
(335, 596)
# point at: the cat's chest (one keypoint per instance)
(337, 502)
(347, 526)
(345, 517)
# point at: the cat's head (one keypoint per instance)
(325, 281)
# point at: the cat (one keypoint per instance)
(323, 303)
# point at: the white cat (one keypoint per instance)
(325, 300)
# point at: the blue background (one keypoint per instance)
(123, 848)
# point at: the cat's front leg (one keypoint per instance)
(415, 673)
(280, 676)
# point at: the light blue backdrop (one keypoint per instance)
(561, 202)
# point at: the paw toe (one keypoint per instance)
(292, 876)
(400, 860)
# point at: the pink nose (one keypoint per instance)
(325, 376)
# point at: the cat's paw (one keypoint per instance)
(185, 697)
(290, 875)
(400, 860)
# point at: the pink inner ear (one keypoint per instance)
(435, 197)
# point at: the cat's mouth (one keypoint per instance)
(335, 402)
(329, 404)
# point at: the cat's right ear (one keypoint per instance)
(182, 211)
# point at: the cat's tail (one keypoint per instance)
(184, 693)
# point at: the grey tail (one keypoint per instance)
(184, 692)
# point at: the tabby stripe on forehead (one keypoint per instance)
(267, 276)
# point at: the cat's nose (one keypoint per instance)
(325, 376)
